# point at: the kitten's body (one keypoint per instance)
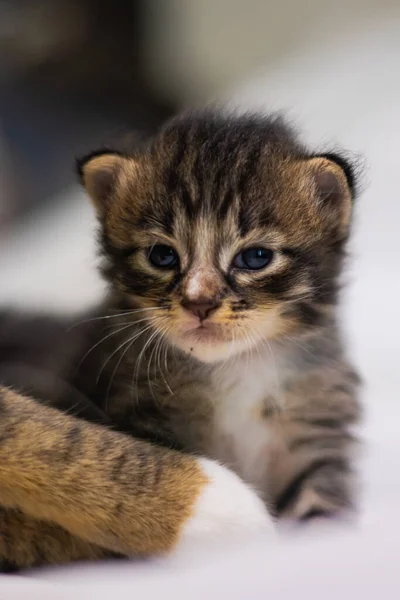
(270, 413)
(208, 357)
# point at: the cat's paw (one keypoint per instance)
(226, 507)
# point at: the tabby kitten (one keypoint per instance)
(223, 242)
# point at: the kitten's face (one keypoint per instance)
(226, 231)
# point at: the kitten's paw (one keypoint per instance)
(226, 507)
(311, 507)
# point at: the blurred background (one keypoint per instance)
(78, 74)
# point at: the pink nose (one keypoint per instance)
(202, 309)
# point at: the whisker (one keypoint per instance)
(257, 346)
(149, 364)
(158, 345)
(101, 341)
(141, 355)
(294, 341)
(135, 375)
(149, 318)
(141, 330)
(120, 314)
(164, 332)
(232, 359)
(129, 345)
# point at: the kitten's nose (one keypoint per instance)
(201, 308)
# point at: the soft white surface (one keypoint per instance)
(343, 89)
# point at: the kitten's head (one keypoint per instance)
(226, 228)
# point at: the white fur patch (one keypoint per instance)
(194, 287)
(242, 435)
(227, 507)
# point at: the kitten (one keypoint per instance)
(223, 242)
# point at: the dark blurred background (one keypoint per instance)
(71, 77)
(78, 73)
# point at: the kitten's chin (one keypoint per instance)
(209, 343)
(209, 350)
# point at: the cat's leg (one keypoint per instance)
(310, 466)
(110, 490)
(26, 542)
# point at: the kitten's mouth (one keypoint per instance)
(207, 341)
(205, 331)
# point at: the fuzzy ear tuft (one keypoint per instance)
(347, 167)
(98, 173)
(335, 184)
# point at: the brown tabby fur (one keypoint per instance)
(209, 185)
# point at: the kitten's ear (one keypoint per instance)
(98, 173)
(335, 183)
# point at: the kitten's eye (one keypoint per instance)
(253, 259)
(163, 256)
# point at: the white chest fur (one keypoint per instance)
(241, 432)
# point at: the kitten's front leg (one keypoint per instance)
(310, 468)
